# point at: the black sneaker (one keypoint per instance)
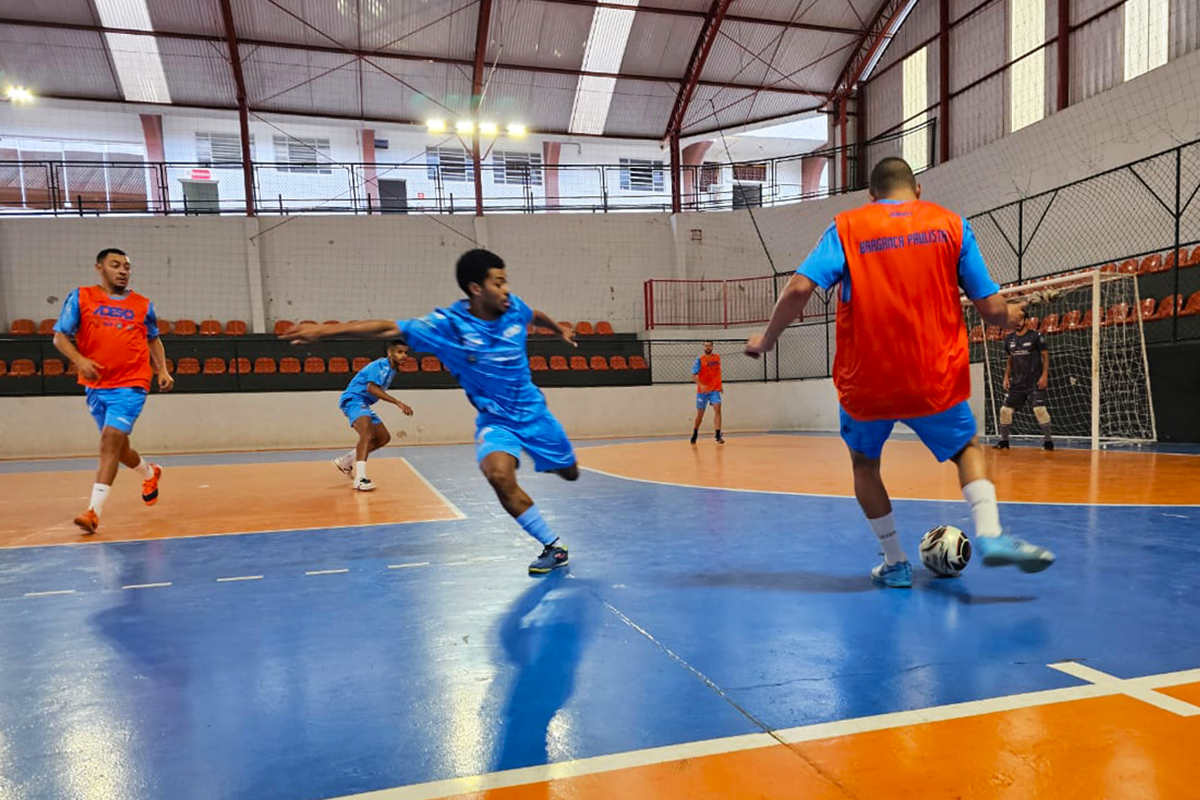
(1001, 445)
(720, 439)
(1048, 446)
(693, 438)
(551, 559)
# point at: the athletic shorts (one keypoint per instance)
(1016, 398)
(355, 407)
(945, 433)
(704, 398)
(116, 408)
(544, 439)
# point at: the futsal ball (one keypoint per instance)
(945, 550)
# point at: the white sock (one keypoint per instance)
(99, 495)
(981, 495)
(360, 470)
(885, 531)
(145, 467)
(348, 459)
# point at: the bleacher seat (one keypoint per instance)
(1192, 307)
(22, 368)
(578, 363)
(637, 362)
(210, 327)
(1105, 268)
(308, 322)
(619, 362)
(282, 326)
(314, 365)
(3, 369)
(410, 365)
(339, 365)
(1129, 266)
(331, 322)
(1145, 310)
(189, 366)
(994, 333)
(1069, 321)
(289, 365)
(599, 362)
(361, 362)
(558, 363)
(565, 325)
(1033, 322)
(584, 328)
(1117, 314)
(604, 328)
(1049, 325)
(184, 327)
(1169, 306)
(22, 327)
(240, 366)
(53, 366)
(1085, 322)
(431, 364)
(264, 366)
(1193, 260)
(976, 334)
(214, 366)
(1151, 263)
(538, 364)
(235, 327)
(46, 327)
(164, 327)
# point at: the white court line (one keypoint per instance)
(804, 733)
(458, 514)
(407, 566)
(49, 594)
(851, 497)
(1121, 686)
(147, 585)
(326, 571)
(240, 578)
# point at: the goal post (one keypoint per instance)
(1099, 378)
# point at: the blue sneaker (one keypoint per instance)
(896, 576)
(1003, 550)
(551, 558)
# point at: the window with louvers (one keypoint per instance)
(302, 155)
(750, 172)
(455, 164)
(517, 169)
(641, 175)
(220, 150)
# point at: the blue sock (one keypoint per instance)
(535, 526)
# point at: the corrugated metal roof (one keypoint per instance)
(186, 16)
(73, 63)
(538, 33)
(302, 82)
(324, 23)
(428, 90)
(445, 27)
(714, 108)
(660, 44)
(197, 72)
(640, 108)
(77, 12)
(541, 101)
(777, 57)
(838, 13)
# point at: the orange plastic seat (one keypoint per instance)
(3, 369)
(282, 326)
(431, 364)
(314, 365)
(22, 327)
(604, 329)
(1049, 325)
(1152, 263)
(53, 366)
(361, 362)
(46, 327)
(1117, 314)
(22, 368)
(538, 364)
(331, 322)
(184, 327)
(584, 329)
(410, 365)
(558, 363)
(214, 366)
(1129, 266)
(339, 365)
(637, 362)
(289, 365)
(976, 335)
(164, 327)
(235, 327)
(619, 362)
(308, 322)
(1192, 307)
(210, 327)
(1146, 309)
(264, 366)
(578, 363)
(189, 366)
(598, 362)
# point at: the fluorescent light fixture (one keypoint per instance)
(18, 94)
(436, 126)
(464, 126)
(604, 52)
(489, 128)
(517, 130)
(888, 36)
(135, 56)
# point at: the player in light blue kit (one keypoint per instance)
(368, 387)
(481, 342)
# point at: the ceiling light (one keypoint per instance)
(464, 126)
(489, 128)
(436, 126)
(18, 94)
(517, 130)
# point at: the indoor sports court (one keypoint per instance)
(293, 589)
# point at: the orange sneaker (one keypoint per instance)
(150, 487)
(88, 521)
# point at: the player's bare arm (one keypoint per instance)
(791, 302)
(543, 320)
(369, 329)
(1044, 381)
(995, 311)
(1007, 373)
(375, 390)
(158, 357)
(87, 368)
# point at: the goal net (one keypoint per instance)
(1099, 387)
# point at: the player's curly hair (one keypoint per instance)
(106, 252)
(473, 267)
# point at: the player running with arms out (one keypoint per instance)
(368, 387)
(1026, 376)
(116, 351)
(481, 342)
(707, 370)
(902, 351)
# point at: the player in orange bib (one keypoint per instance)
(117, 351)
(902, 351)
(707, 370)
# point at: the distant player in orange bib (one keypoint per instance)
(707, 370)
(117, 351)
(902, 351)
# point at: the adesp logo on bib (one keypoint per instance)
(114, 312)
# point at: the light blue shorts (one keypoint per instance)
(116, 408)
(544, 440)
(704, 398)
(945, 433)
(355, 407)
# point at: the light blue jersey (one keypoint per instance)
(379, 372)
(488, 358)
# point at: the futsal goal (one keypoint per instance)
(1099, 381)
